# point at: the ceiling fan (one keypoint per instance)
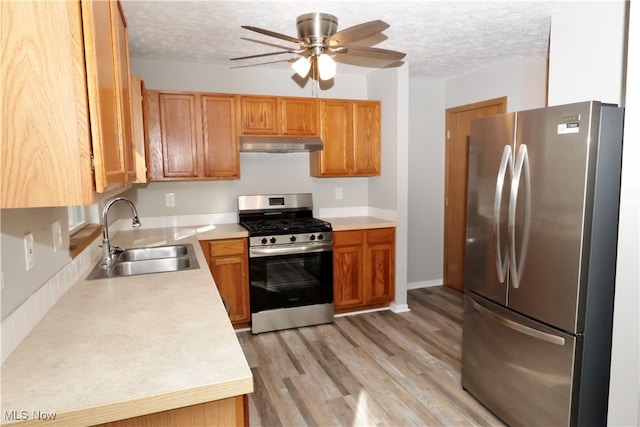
(318, 40)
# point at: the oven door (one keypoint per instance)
(290, 280)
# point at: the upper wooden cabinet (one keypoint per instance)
(350, 131)
(138, 130)
(270, 115)
(65, 102)
(299, 116)
(191, 136)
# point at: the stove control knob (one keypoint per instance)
(272, 240)
(292, 238)
(264, 240)
(312, 237)
(320, 236)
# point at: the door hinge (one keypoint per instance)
(446, 201)
(448, 134)
(93, 163)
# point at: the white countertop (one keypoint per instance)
(358, 223)
(117, 348)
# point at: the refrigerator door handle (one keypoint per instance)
(522, 165)
(550, 338)
(506, 164)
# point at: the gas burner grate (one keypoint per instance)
(258, 227)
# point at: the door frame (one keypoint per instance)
(501, 102)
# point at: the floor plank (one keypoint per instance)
(374, 369)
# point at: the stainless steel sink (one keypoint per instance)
(153, 253)
(157, 259)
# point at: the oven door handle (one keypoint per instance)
(291, 249)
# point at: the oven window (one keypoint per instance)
(291, 280)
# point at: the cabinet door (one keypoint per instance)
(259, 115)
(299, 116)
(336, 158)
(366, 138)
(230, 275)
(379, 276)
(229, 265)
(178, 135)
(45, 157)
(138, 129)
(348, 262)
(121, 45)
(103, 95)
(221, 150)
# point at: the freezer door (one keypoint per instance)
(490, 169)
(553, 174)
(521, 370)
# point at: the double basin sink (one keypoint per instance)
(157, 259)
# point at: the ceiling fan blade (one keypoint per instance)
(357, 32)
(263, 63)
(266, 54)
(272, 34)
(373, 52)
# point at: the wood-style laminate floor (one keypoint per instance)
(378, 368)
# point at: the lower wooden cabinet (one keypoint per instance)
(363, 269)
(228, 261)
(233, 411)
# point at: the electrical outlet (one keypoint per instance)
(170, 200)
(56, 234)
(339, 193)
(29, 255)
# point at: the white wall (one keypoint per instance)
(624, 390)
(426, 182)
(176, 75)
(19, 284)
(587, 61)
(522, 80)
(587, 53)
(260, 172)
(390, 190)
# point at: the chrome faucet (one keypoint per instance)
(107, 251)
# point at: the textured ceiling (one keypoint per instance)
(442, 39)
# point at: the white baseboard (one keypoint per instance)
(399, 308)
(424, 284)
(362, 312)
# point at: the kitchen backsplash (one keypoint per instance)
(21, 321)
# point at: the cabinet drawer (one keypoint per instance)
(380, 235)
(347, 238)
(227, 247)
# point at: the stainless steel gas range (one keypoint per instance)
(290, 261)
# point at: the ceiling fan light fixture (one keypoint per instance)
(302, 66)
(326, 67)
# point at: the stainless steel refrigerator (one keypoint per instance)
(542, 215)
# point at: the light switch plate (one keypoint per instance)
(170, 200)
(56, 235)
(29, 257)
(339, 193)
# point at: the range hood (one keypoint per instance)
(279, 144)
